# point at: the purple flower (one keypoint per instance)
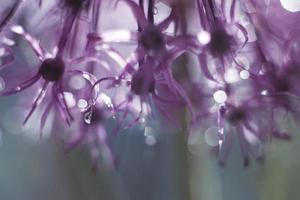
(153, 56)
(50, 72)
(226, 63)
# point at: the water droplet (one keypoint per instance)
(82, 104)
(87, 117)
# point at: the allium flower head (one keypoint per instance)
(226, 63)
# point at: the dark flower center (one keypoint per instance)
(220, 42)
(236, 115)
(151, 38)
(142, 83)
(75, 4)
(52, 69)
(281, 85)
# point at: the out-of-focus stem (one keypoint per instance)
(150, 12)
(10, 14)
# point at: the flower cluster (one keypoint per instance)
(207, 63)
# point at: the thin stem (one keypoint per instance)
(150, 12)
(95, 15)
(65, 33)
(201, 14)
(10, 14)
(141, 3)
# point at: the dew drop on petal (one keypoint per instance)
(220, 96)
(88, 117)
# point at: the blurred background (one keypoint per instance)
(163, 171)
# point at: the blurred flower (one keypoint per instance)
(226, 62)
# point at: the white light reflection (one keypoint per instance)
(264, 92)
(291, 5)
(121, 35)
(250, 137)
(220, 96)
(231, 75)
(2, 51)
(71, 102)
(82, 104)
(8, 42)
(244, 74)
(104, 98)
(17, 29)
(203, 37)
